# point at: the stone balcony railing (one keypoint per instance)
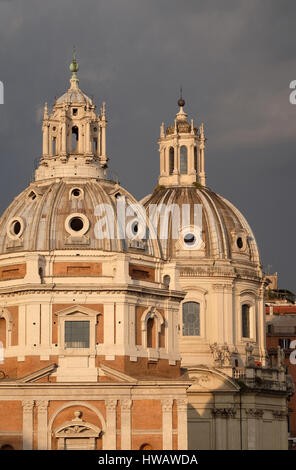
(263, 378)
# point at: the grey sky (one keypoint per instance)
(234, 59)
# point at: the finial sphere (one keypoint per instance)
(74, 66)
(181, 102)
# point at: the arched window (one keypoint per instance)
(183, 160)
(171, 160)
(2, 333)
(245, 321)
(75, 135)
(195, 158)
(191, 319)
(151, 333)
(146, 446)
(54, 146)
(7, 447)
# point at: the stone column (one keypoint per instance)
(28, 406)
(126, 430)
(103, 126)
(222, 427)
(42, 424)
(110, 439)
(280, 429)
(176, 158)
(253, 427)
(232, 431)
(64, 138)
(45, 139)
(88, 148)
(182, 424)
(191, 169)
(167, 424)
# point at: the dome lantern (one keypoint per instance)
(181, 148)
(74, 136)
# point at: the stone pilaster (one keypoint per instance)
(110, 439)
(167, 424)
(126, 429)
(28, 406)
(42, 424)
(182, 424)
(221, 416)
(253, 415)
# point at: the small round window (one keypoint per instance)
(239, 242)
(15, 228)
(76, 224)
(76, 192)
(189, 239)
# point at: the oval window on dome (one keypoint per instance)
(240, 243)
(189, 239)
(15, 228)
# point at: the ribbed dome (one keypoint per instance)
(61, 214)
(74, 96)
(225, 232)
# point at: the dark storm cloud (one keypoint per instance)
(235, 60)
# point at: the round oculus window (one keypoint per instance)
(189, 238)
(15, 228)
(76, 192)
(76, 224)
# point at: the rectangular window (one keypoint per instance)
(191, 321)
(77, 334)
(95, 145)
(284, 343)
(246, 321)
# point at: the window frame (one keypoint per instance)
(182, 159)
(189, 335)
(77, 313)
(249, 299)
(198, 295)
(67, 323)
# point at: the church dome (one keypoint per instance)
(74, 96)
(222, 231)
(62, 214)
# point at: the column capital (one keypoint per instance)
(280, 415)
(126, 404)
(182, 404)
(254, 413)
(167, 404)
(111, 404)
(28, 405)
(224, 412)
(42, 405)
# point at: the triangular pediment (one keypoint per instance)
(77, 310)
(39, 374)
(115, 375)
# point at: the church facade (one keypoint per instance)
(127, 325)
